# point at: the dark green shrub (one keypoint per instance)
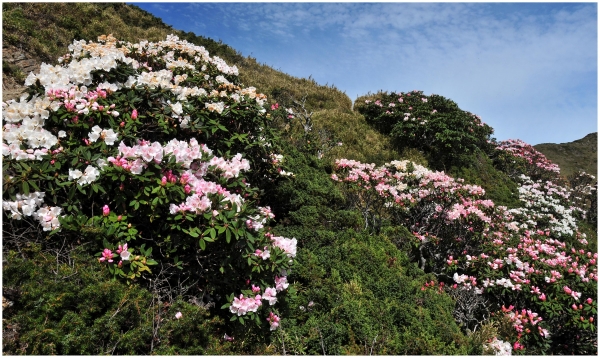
(72, 308)
(432, 124)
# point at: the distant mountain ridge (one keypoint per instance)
(581, 154)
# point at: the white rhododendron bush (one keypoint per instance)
(151, 156)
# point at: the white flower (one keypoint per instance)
(95, 133)
(89, 175)
(48, 217)
(125, 255)
(75, 174)
(177, 108)
(101, 163)
(109, 136)
(62, 134)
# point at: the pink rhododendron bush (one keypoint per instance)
(528, 268)
(151, 155)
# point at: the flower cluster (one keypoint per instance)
(114, 129)
(500, 253)
(26, 204)
(499, 347)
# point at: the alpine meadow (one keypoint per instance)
(165, 195)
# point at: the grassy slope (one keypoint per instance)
(581, 154)
(43, 31)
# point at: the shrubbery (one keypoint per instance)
(153, 204)
(528, 263)
(113, 149)
(433, 124)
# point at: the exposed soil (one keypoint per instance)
(19, 61)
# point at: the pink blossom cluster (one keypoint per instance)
(243, 305)
(273, 320)
(490, 248)
(520, 149)
(80, 100)
(287, 245)
(230, 168)
(525, 321)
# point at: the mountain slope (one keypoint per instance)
(581, 154)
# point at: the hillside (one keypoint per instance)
(571, 157)
(156, 202)
(41, 32)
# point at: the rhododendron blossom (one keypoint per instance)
(112, 160)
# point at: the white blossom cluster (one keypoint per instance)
(543, 202)
(499, 347)
(26, 205)
(25, 127)
(66, 84)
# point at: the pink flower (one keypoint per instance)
(273, 320)
(281, 283)
(269, 295)
(134, 114)
(178, 315)
(255, 289)
(106, 255)
(105, 210)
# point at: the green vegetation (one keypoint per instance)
(366, 278)
(579, 155)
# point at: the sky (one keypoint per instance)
(529, 70)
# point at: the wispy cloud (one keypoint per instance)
(513, 64)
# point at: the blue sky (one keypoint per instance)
(530, 70)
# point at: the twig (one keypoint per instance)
(322, 345)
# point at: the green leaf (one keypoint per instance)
(202, 244)
(34, 185)
(25, 188)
